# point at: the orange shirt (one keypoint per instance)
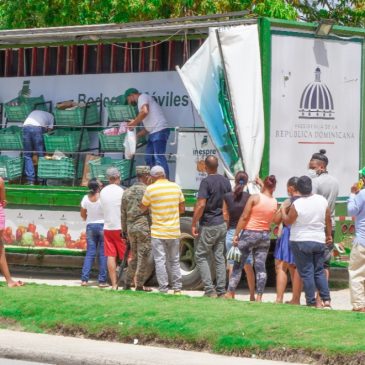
(262, 214)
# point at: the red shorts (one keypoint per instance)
(114, 245)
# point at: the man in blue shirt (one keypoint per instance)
(356, 208)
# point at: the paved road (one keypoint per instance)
(62, 350)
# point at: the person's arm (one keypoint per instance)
(225, 212)
(146, 201)
(242, 222)
(140, 117)
(289, 217)
(3, 201)
(182, 207)
(198, 212)
(83, 213)
(328, 226)
(123, 214)
(355, 201)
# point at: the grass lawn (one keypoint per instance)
(216, 324)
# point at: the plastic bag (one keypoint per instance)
(130, 143)
(234, 254)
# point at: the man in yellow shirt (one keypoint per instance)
(166, 202)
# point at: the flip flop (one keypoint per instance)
(16, 284)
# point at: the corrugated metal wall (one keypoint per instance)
(91, 59)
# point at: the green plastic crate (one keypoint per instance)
(66, 141)
(116, 143)
(18, 109)
(76, 116)
(56, 169)
(98, 168)
(11, 168)
(11, 139)
(120, 112)
(111, 143)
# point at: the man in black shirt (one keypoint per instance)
(212, 228)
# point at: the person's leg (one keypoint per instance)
(28, 148)
(319, 274)
(229, 238)
(303, 256)
(149, 154)
(281, 279)
(132, 264)
(143, 254)
(159, 255)
(203, 249)
(91, 240)
(250, 277)
(111, 253)
(244, 246)
(38, 144)
(297, 286)
(173, 258)
(220, 262)
(159, 141)
(4, 264)
(260, 250)
(357, 277)
(103, 273)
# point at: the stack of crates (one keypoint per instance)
(11, 168)
(18, 109)
(99, 166)
(76, 116)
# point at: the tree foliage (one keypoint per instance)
(48, 13)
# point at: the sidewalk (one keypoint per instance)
(76, 351)
(340, 298)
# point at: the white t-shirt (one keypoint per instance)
(94, 210)
(155, 120)
(311, 221)
(111, 200)
(40, 118)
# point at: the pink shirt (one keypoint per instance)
(262, 214)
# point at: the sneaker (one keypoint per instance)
(211, 295)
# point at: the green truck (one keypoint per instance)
(311, 90)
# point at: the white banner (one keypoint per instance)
(315, 104)
(241, 57)
(192, 149)
(200, 75)
(166, 87)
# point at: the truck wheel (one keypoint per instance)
(190, 274)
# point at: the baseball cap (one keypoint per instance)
(157, 171)
(140, 170)
(130, 91)
(362, 171)
(112, 172)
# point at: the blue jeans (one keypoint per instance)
(32, 142)
(309, 258)
(95, 245)
(156, 149)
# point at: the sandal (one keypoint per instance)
(15, 284)
(84, 283)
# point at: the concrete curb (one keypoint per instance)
(62, 350)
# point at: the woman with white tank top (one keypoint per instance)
(311, 228)
(92, 213)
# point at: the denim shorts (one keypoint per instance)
(229, 239)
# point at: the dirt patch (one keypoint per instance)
(10, 324)
(280, 354)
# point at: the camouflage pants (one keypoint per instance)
(140, 241)
(257, 242)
